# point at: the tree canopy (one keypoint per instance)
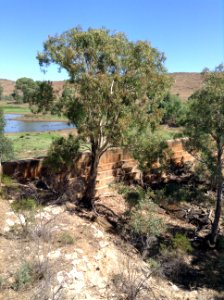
(24, 89)
(205, 128)
(174, 110)
(115, 88)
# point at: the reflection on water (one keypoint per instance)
(21, 126)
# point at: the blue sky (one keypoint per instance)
(189, 32)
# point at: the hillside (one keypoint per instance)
(184, 84)
(64, 253)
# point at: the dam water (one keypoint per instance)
(12, 124)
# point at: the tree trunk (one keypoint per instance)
(215, 224)
(90, 192)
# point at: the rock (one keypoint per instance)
(74, 274)
(9, 222)
(54, 254)
(103, 244)
(71, 256)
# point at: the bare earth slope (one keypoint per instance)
(184, 84)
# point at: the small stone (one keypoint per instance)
(61, 276)
(71, 256)
(74, 274)
(103, 244)
(54, 254)
(9, 222)
(175, 288)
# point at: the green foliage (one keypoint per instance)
(179, 192)
(25, 210)
(132, 194)
(66, 239)
(205, 119)
(62, 153)
(7, 180)
(174, 110)
(6, 150)
(1, 92)
(143, 219)
(28, 204)
(148, 149)
(28, 273)
(205, 127)
(24, 89)
(23, 277)
(155, 266)
(43, 95)
(1, 282)
(181, 242)
(115, 86)
(142, 211)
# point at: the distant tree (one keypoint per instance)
(6, 150)
(205, 128)
(115, 88)
(43, 94)
(1, 92)
(24, 89)
(174, 110)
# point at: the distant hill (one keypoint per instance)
(9, 85)
(184, 85)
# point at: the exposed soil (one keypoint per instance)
(87, 257)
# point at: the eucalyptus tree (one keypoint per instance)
(115, 88)
(205, 128)
(24, 89)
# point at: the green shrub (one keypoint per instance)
(132, 194)
(25, 210)
(174, 110)
(144, 221)
(181, 242)
(66, 239)
(154, 265)
(28, 204)
(6, 180)
(1, 282)
(23, 277)
(62, 153)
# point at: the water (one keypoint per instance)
(21, 126)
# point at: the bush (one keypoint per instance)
(62, 153)
(6, 180)
(23, 277)
(20, 206)
(181, 242)
(28, 273)
(1, 282)
(133, 281)
(66, 239)
(144, 221)
(174, 110)
(25, 210)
